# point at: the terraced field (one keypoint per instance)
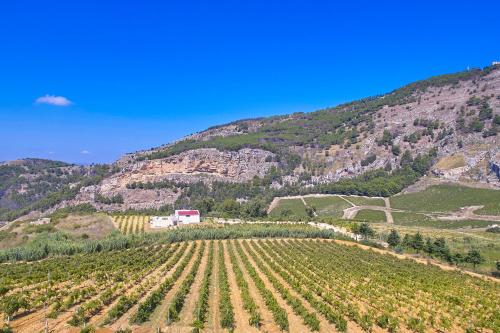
(295, 285)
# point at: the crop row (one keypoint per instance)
(201, 309)
(147, 307)
(279, 314)
(248, 301)
(177, 302)
(225, 306)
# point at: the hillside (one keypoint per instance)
(445, 127)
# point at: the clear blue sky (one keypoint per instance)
(142, 73)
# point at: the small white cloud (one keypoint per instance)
(52, 152)
(53, 100)
(85, 152)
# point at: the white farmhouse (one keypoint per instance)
(161, 221)
(185, 216)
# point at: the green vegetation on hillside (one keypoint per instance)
(321, 128)
(290, 208)
(370, 215)
(448, 198)
(63, 191)
(363, 201)
(328, 206)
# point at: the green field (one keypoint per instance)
(369, 215)
(362, 201)
(448, 198)
(289, 207)
(328, 206)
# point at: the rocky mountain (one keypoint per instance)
(445, 126)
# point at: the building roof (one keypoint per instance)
(185, 212)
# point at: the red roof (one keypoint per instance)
(187, 212)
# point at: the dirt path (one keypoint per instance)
(186, 315)
(296, 323)
(346, 200)
(159, 316)
(241, 317)
(268, 324)
(276, 200)
(351, 212)
(213, 319)
(325, 326)
(388, 214)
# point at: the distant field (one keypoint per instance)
(407, 218)
(328, 206)
(361, 201)
(369, 215)
(447, 198)
(291, 285)
(290, 207)
(130, 224)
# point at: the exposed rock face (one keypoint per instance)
(197, 164)
(207, 164)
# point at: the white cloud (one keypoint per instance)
(85, 152)
(52, 152)
(53, 100)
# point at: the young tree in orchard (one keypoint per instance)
(394, 239)
(364, 230)
(12, 304)
(310, 211)
(417, 242)
(474, 257)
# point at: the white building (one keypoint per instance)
(161, 221)
(186, 216)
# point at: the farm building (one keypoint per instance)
(186, 216)
(162, 221)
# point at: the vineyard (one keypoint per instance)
(131, 224)
(268, 285)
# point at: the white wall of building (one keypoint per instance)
(161, 221)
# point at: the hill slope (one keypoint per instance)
(445, 126)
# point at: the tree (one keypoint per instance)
(310, 211)
(417, 242)
(230, 208)
(474, 257)
(406, 159)
(365, 231)
(396, 150)
(12, 304)
(394, 239)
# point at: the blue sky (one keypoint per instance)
(137, 74)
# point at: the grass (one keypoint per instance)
(289, 207)
(407, 218)
(451, 162)
(440, 224)
(362, 201)
(369, 215)
(328, 206)
(448, 198)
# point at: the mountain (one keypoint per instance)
(445, 127)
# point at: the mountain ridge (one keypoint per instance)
(445, 126)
